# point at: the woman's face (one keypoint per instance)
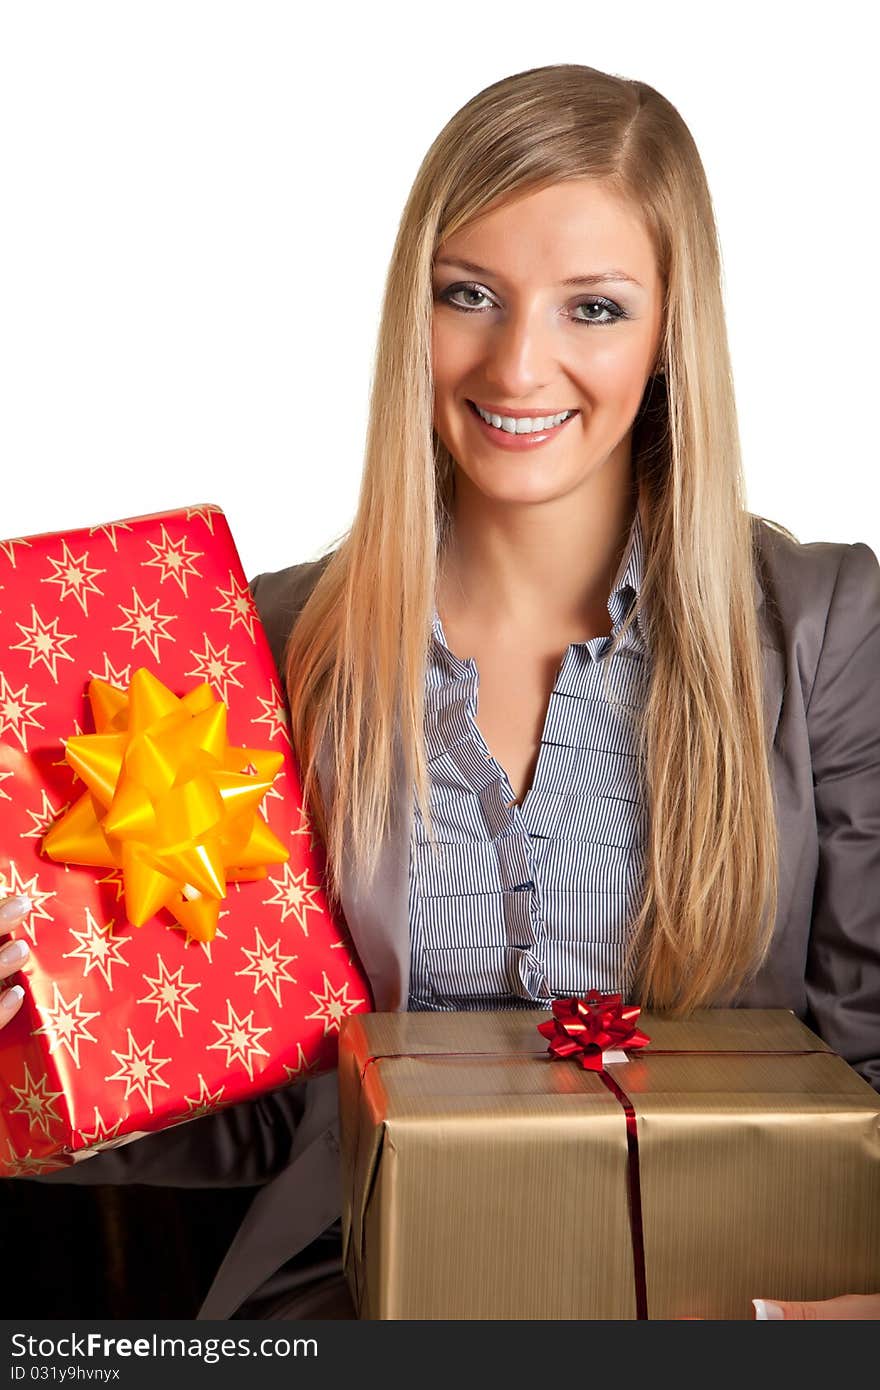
(510, 335)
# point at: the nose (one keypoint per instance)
(521, 355)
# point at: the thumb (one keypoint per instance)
(767, 1310)
(848, 1306)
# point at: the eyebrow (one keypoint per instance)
(596, 278)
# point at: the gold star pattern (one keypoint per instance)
(98, 949)
(110, 531)
(302, 1068)
(17, 712)
(20, 1165)
(8, 548)
(36, 1102)
(12, 884)
(62, 761)
(333, 1005)
(65, 1024)
(344, 946)
(4, 795)
(174, 561)
(101, 1136)
(306, 827)
(43, 818)
(238, 604)
(145, 623)
(139, 1070)
(216, 666)
(205, 1101)
(274, 715)
(295, 896)
(169, 994)
(267, 966)
(43, 642)
(240, 1039)
(75, 575)
(113, 675)
(116, 882)
(207, 514)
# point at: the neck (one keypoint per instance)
(544, 566)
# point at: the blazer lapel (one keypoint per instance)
(774, 668)
(774, 684)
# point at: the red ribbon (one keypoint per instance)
(587, 1027)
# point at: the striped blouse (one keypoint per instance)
(529, 902)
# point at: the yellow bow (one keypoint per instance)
(168, 801)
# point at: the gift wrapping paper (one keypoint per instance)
(128, 1029)
(483, 1178)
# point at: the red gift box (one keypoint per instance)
(129, 1029)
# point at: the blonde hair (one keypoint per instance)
(356, 658)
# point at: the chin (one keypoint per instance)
(516, 491)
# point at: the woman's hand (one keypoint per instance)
(12, 954)
(848, 1307)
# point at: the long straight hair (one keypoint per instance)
(356, 658)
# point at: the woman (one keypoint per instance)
(555, 640)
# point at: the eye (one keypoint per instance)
(612, 311)
(607, 306)
(447, 296)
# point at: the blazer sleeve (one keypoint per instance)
(243, 1146)
(246, 1144)
(843, 724)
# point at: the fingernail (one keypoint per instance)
(15, 907)
(12, 997)
(766, 1311)
(17, 951)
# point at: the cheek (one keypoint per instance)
(440, 356)
(453, 356)
(443, 376)
(616, 372)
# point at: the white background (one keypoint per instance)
(199, 202)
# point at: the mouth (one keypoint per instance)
(519, 431)
(490, 412)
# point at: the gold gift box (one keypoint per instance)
(484, 1179)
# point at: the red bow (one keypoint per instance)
(590, 1026)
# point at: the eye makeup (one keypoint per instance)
(613, 311)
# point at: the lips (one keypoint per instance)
(511, 442)
(533, 414)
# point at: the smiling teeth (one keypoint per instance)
(526, 425)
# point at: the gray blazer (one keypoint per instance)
(819, 614)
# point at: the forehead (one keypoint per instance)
(571, 228)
